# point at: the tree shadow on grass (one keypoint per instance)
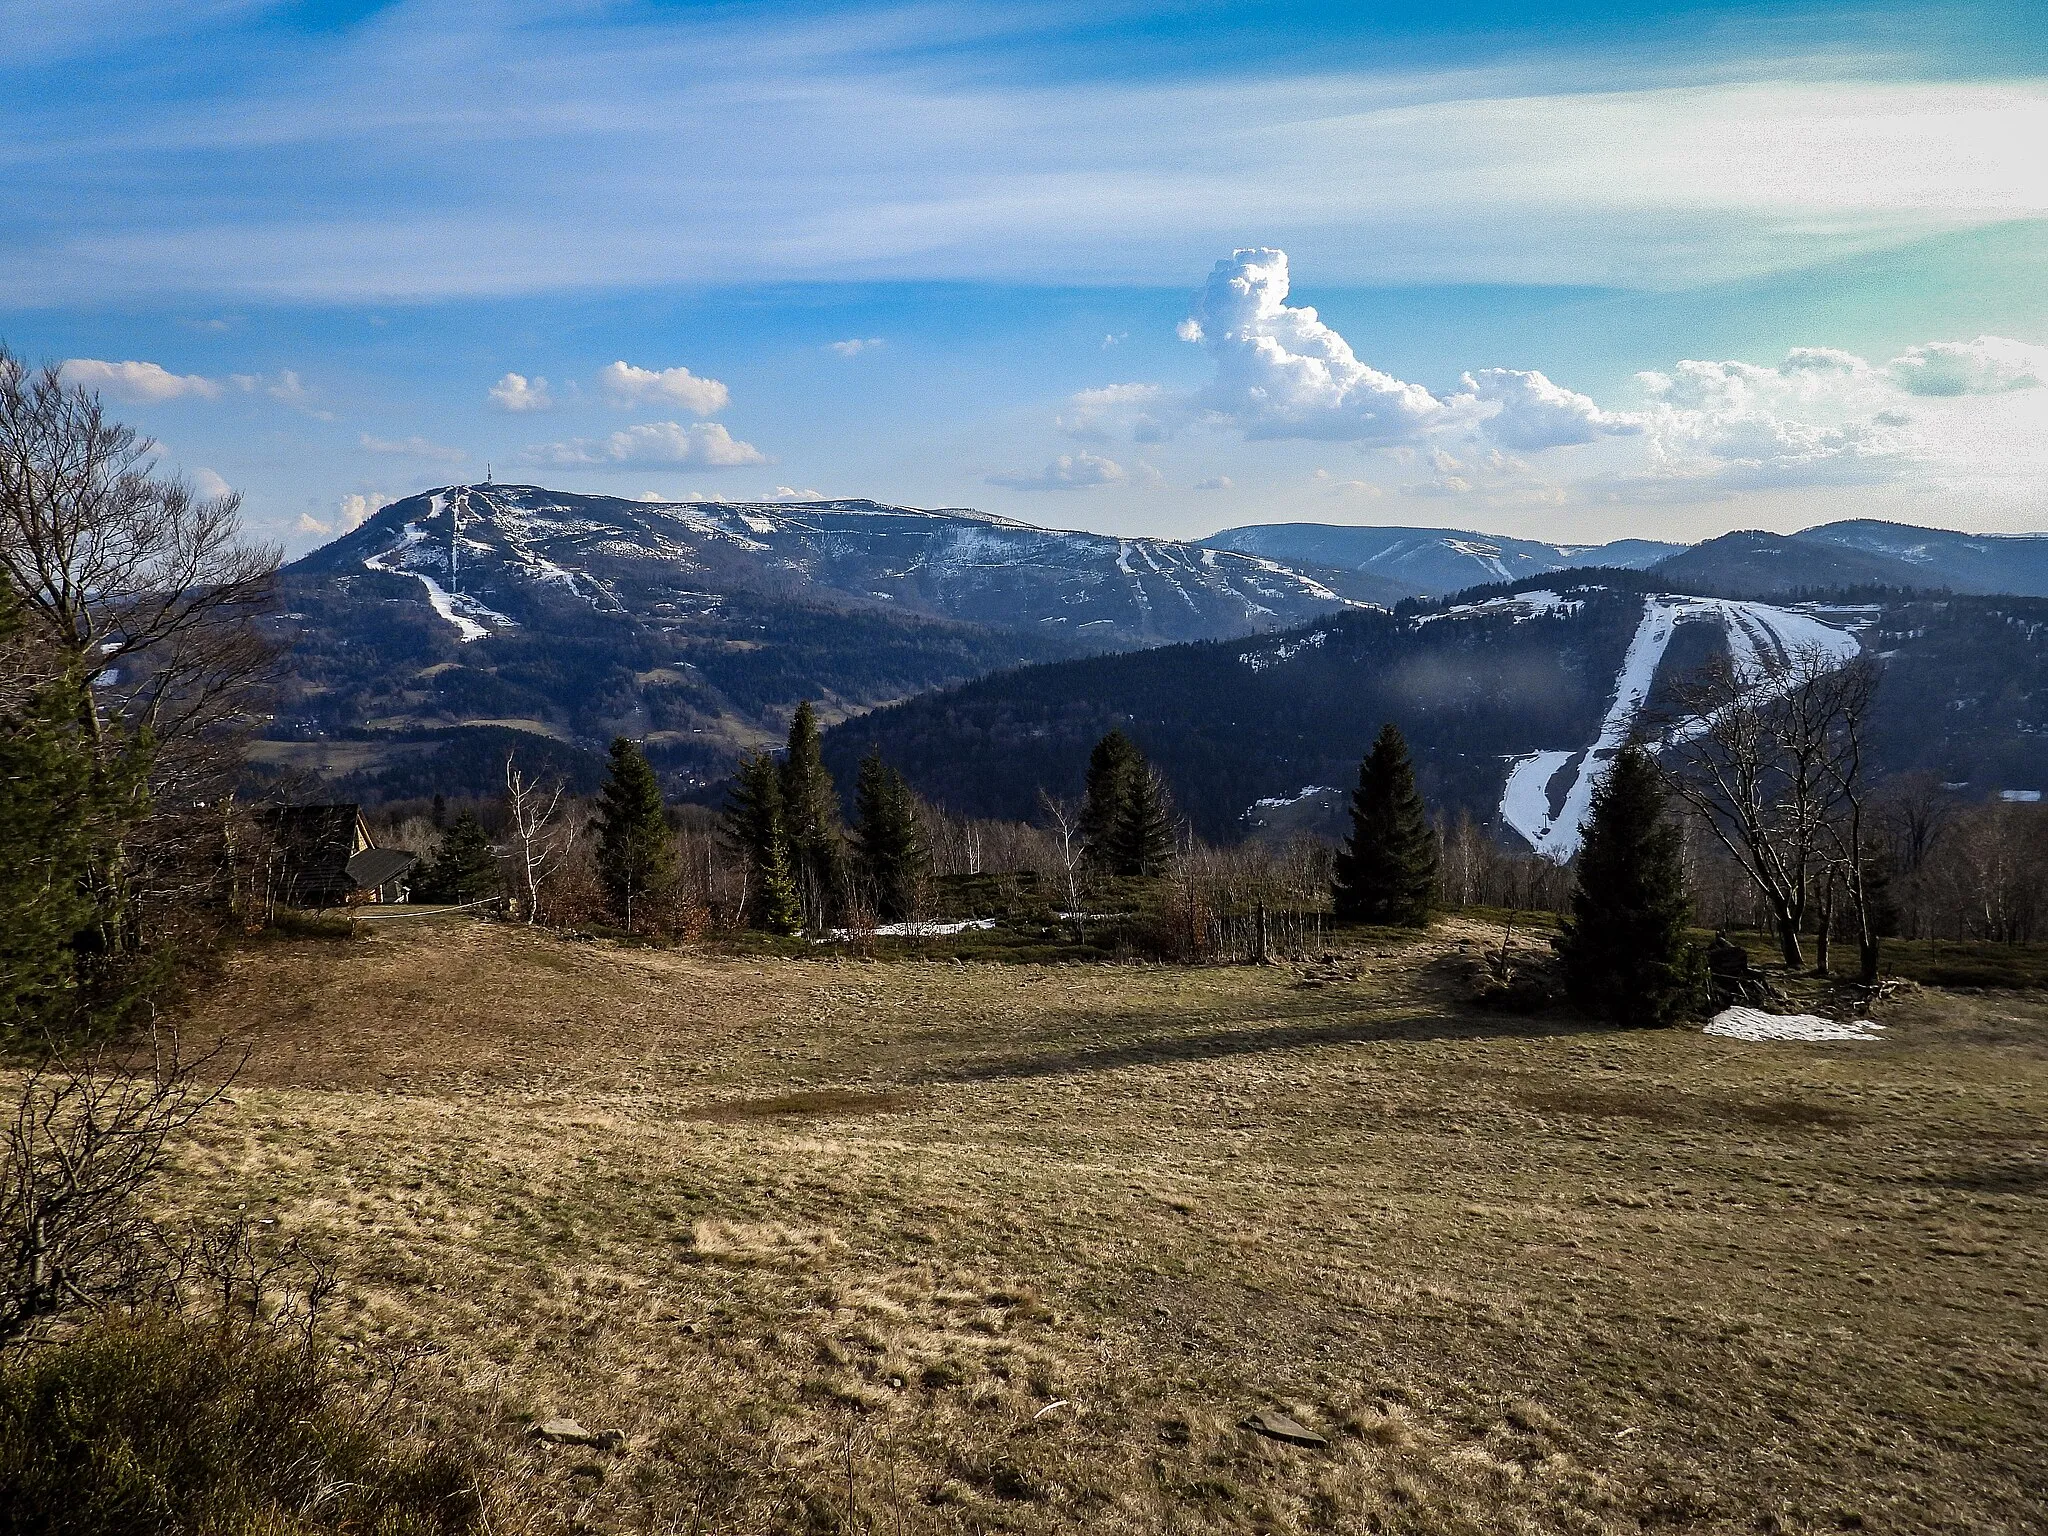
(1444, 1020)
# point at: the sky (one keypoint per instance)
(1545, 269)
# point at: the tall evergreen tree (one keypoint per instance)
(465, 869)
(1386, 871)
(1624, 949)
(1113, 764)
(810, 815)
(636, 856)
(753, 819)
(888, 850)
(50, 831)
(1141, 836)
(780, 910)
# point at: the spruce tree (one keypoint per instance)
(1624, 950)
(52, 822)
(753, 819)
(810, 814)
(1141, 837)
(1386, 871)
(465, 869)
(636, 856)
(1112, 765)
(888, 851)
(780, 909)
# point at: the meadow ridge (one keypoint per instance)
(929, 1246)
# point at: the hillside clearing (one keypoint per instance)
(978, 1247)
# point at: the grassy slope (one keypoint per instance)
(820, 1232)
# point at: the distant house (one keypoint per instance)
(326, 857)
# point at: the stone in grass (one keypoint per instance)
(1275, 1425)
(569, 1432)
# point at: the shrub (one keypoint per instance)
(151, 1422)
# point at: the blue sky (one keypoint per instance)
(1575, 271)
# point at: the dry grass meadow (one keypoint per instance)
(856, 1246)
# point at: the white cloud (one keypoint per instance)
(854, 346)
(1987, 366)
(289, 388)
(1145, 412)
(790, 493)
(624, 385)
(1337, 486)
(138, 383)
(1529, 412)
(211, 483)
(357, 509)
(1216, 483)
(704, 443)
(308, 523)
(412, 448)
(516, 392)
(1281, 372)
(1068, 472)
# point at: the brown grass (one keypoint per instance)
(933, 1247)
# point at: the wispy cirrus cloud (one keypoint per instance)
(899, 148)
(412, 448)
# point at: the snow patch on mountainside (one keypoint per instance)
(1286, 650)
(1760, 639)
(460, 611)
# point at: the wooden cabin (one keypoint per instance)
(327, 859)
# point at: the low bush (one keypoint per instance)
(144, 1423)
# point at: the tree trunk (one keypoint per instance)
(1823, 944)
(1788, 941)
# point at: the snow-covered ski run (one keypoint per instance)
(1759, 638)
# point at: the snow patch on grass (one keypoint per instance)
(1755, 1024)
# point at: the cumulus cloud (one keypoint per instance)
(853, 346)
(1524, 410)
(1068, 472)
(137, 382)
(412, 448)
(623, 384)
(516, 392)
(1145, 412)
(357, 509)
(1990, 365)
(1216, 483)
(790, 493)
(704, 443)
(211, 483)
(1281, 372)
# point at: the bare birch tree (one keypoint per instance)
(539, 842)
(1070, 846)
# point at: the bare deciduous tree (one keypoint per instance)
(145, 585)
(539, 841)
(1773, 764)
(1069, 844)
(86, 1139)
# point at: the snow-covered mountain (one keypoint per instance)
(479, 551)
(1512, 703)
(696, 627)
(1433, 562)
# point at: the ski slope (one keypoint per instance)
(1760, 639)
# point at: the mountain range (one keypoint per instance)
(467, 620)
(1511, 701)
